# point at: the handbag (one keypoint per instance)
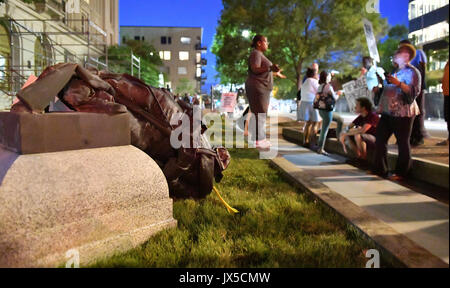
(323, 101)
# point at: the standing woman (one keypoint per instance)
(307, 112)
(258, 86)
(327, 115)
(398, 109)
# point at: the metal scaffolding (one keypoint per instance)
(48, 49)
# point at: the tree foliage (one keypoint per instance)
(119, 60)
(388, 47)
(299, 32)
(185, 86)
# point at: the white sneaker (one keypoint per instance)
(263, 144)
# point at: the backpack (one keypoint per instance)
(323, 101)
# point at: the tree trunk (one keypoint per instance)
(299, 75)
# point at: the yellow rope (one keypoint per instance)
(229, 208)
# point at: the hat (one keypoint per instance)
(411, 50)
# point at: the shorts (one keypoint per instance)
(308, 113)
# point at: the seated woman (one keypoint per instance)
(361, 132)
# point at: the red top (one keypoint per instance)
(372, 118)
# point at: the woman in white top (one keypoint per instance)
(307, 112)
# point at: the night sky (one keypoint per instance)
(206, 13)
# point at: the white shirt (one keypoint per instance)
(309, 89)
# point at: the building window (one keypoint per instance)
(184, 55)
(40, 57)
(5, 52)
(182, 71)
(198, 57)
(138, 38)
(185, 40)
(83, 24)
(143, 38)
(165, 55)
(166, 40)
(112, 12)
(124, 40)
(198, 71)
(431, 33)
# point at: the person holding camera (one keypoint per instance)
(398, 108)
(259, 85)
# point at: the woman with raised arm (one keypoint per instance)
(258, 86)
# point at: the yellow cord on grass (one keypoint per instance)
(229, 208)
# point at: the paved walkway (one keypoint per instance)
(428, 151)
(422, 219)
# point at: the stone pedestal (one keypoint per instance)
(99, 201)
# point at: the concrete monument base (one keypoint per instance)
(98, 201)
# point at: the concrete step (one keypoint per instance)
(424, 170)
(408, 225)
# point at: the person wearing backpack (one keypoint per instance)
(398, 109)
(325, 102)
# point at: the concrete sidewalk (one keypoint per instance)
(411, 226)
(430, 162)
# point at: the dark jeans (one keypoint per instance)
(401, 127)
(418, 131)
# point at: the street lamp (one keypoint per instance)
(245, 33)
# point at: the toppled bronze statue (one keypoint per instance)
(190, 172)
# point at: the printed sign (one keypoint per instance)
(371, 41)
(354, 90)
(228, 101)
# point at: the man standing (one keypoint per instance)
(371, 74)
(419, 132)
(398, 109)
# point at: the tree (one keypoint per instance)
(388, 47)
(119, 60)
(185, 86)
(298, 32)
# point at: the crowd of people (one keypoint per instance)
(192, 99)
(396, 106)
(399, 97)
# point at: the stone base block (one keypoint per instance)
(98, 201)
(27, 133)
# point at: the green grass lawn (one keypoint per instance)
(276, 227)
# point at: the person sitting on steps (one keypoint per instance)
(361, 132)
